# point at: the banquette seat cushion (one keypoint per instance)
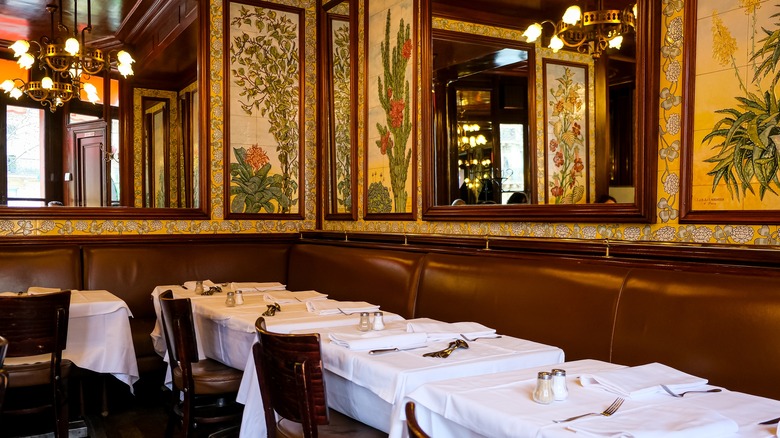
(46, 266)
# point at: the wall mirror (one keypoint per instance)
(170, 52)
(483, 146)
(338, 92)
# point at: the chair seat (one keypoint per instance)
(34, 374)
(340, 426)
(211, 377)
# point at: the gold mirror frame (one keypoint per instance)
(126, 150)
(645, 144)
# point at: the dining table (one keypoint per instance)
(501, 405)
(99, 337)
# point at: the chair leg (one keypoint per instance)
(173, 417)
(61, 416)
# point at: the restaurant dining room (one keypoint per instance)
(389, 218)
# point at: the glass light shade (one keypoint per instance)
(16, 93)
(635, 14)
(26, 61)
(556, 44)
(572, 15)
(93, 97)
(7, 85)
(533, 32)
(20, 47)
(72, 46)
(47, 83)
(125, 69)
(616, 42)
(124, 57)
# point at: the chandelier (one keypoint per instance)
(589, 32)
(65, 64)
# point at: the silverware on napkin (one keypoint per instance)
(454, 345)
(394, 349)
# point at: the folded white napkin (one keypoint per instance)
(443, 331)
(642, 380)
(333, 307)
(35, 290)
(190, 285)
(256, 287)
(373, 340)
(286, 296)
(11, 294)
(659, 421)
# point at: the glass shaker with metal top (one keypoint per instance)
(543, 393)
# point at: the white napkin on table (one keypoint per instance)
(286, 296)
(333, 307)
(11, 294)
(36, 290)
(443, 331)
(659, 421)
(373, 340)
(190, 285)
(642, 380)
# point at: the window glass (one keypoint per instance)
(25, 156)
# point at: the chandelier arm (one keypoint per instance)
(60, 25)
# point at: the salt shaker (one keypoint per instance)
(230, 300)
(543, 393)
(379, 323)
(199, 287)
(239, 298)
(365, 323)
(560, 391)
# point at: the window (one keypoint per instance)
(25, 156)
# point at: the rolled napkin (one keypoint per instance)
(642, 380)
(443, 331)
(659, 421)
(286, 296)
(256, 287)
(190, 285)
(374, 340)
(333, 307)
(36, 290)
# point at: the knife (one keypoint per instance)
(391, 350)
(772, 421)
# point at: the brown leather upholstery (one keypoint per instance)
(720, 327)
(412, 426)
(384, 277)
(132, 270)
(567, 304)
(207, 389)
(37, 325)
(289, 371)
(46, 266)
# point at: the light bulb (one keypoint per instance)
(72, 46)
(93, 97)
(616, 42)
(90, 88)
(124, 57)
(465, 140)
(556, 44)
(20, 47)
(635, 11)
(26, 61)
(16, 93)
(125, 69)
(481, 139)
(8, 85)
(47, 83)
(572, 15)
(533, 32)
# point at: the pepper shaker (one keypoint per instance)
(543, 393)
(365, 324)
(560, 391)
(379, 323)
(199, 287)
(230, 300)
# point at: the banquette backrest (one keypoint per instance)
(720, 326)
(385, 277)
(56, 266)
(132, 270)
(559, 302)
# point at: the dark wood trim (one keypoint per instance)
(251, 238)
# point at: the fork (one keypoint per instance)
(673, 394)
(611, 409)
(479, 337)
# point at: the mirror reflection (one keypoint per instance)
(339, 108)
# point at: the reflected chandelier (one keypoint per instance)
(590, 32)
(65, 63)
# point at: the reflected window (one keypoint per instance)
(25, 157)
(512, 160)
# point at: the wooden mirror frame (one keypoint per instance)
(645, 144)
(325, 134)
(126, 150)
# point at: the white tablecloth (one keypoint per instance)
(500, 405)
(99, 337)
(368, 387)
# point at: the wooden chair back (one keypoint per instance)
(179, 331)
(289, 369)
(415, 431)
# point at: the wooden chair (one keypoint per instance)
(204, 391)
(289, 370)
(415, 431)
(3, 372)
(37, 325)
